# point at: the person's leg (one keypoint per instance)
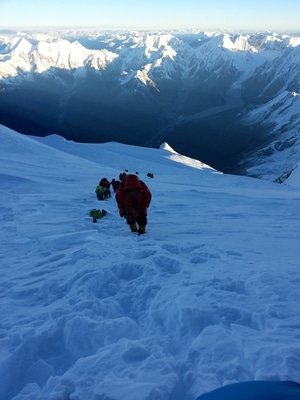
(142, 222)
(132, 224)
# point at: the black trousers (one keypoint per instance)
(141, 220)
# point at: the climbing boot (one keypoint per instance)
(142, 230)
(133, 228)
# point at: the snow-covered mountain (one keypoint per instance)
(279, 158)
(155, 54)
(191, 89)
(208, 297)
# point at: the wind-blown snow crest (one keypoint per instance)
(165, 146)
(182, 159)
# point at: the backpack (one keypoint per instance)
(132, 182)
(97, 214)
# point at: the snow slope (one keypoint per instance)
(207, 297)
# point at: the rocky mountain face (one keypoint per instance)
(230, 101)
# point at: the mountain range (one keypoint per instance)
(229, 100)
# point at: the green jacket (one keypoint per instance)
(96, 214)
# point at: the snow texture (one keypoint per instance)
(209, 296)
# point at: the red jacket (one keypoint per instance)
(133, 197)
(104, 182)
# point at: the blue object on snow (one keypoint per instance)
(255, 390)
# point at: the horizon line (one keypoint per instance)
(140, 29)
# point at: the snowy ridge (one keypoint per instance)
(207, 297)
(183, 159)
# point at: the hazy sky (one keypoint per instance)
(274, 15)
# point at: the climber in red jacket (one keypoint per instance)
(133, 198)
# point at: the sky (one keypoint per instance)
(209, 296)
(257, 15)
